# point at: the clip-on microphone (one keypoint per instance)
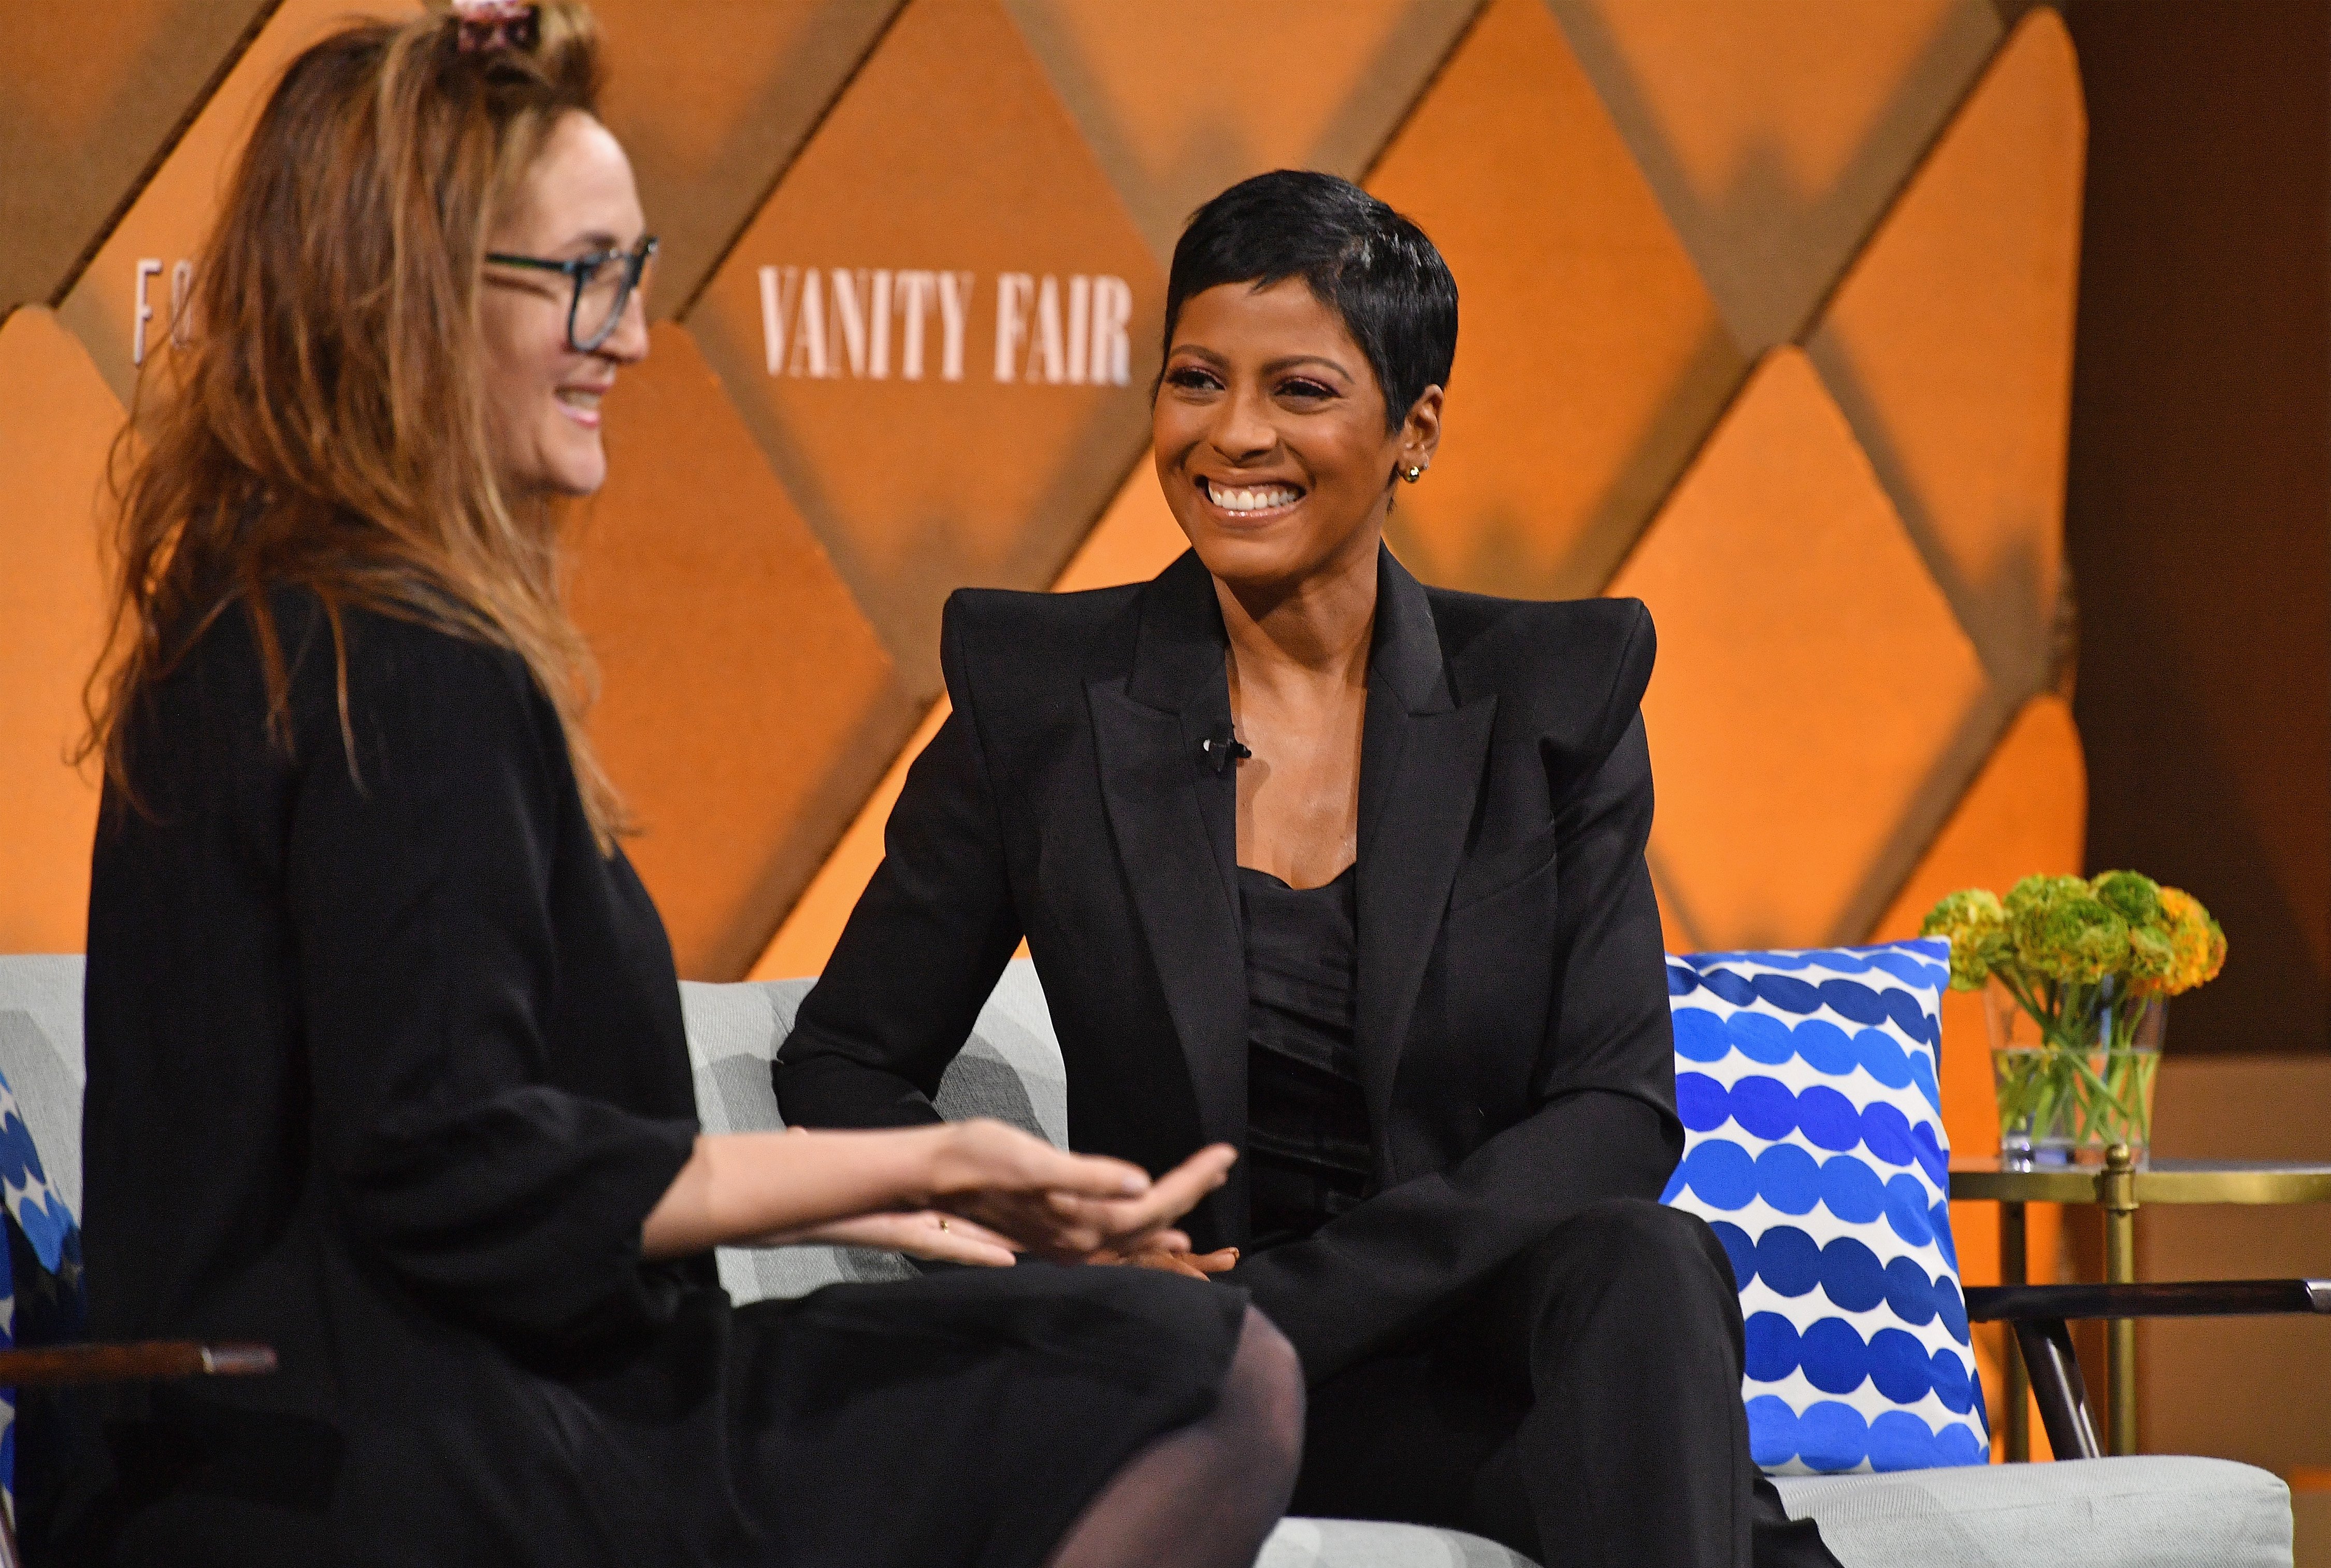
(1222, 748)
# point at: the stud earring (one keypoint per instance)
(1412, 473)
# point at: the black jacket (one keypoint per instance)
(386, 1070)
(1512, 1023)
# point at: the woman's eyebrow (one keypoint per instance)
(1292, 360)
(1269, 367)
(596, 240)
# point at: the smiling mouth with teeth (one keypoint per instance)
(1249, 497)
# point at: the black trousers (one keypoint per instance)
(1583, 1409)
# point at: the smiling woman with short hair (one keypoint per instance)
(1347, 871)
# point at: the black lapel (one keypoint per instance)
(1420, 760)
(1175, 822)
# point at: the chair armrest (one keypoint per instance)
(148, 1361)
(144, 1360)
(2039, 1313)
(2184, 1299)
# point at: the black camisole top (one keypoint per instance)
(1307, 1121)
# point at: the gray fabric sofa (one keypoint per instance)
(2149, 1512)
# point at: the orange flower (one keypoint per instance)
(2197, 943)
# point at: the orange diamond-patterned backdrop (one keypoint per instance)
(1767, 318)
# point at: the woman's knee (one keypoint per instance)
(1263, 1392)
(1629, 1272)
(1637, 1237)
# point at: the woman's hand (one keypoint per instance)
(1063, 1206)
(743, 1189)
(1176, 1261)
(926, 1233)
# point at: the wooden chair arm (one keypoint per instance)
(145, 1361)
(2038, 1312)
(148, 1361)
(2181, 1299)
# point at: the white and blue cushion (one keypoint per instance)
(41, 1300)
(1815, 1146)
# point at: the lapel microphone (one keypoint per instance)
(1220, 749)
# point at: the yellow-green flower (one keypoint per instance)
(2035, 893)
(1977, 927)
(2061, 931)
(2151, 954)
(2132, 896)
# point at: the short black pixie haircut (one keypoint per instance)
(1363, 260)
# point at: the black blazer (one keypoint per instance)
(1512, 1024)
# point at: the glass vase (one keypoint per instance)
(2068, 1091)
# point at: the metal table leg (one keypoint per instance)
(2117, 1194)
(2015, 1269)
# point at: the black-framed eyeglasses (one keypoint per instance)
(604, 283)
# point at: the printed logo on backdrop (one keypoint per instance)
(880, 324)
(182, 290)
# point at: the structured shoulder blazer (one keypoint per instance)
(1512, 1025)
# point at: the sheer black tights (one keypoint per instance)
(1206, 1494)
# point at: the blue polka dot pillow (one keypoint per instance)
(41, 1300)
(1815, 1146)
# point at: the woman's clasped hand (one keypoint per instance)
(978, 1192)
(1063, 1206)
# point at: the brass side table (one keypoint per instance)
(2119, 1187)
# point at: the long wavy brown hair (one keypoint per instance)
(322, 426)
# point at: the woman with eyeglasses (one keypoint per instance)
(385, 1065)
